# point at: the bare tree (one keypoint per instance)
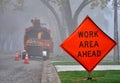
(70, 18)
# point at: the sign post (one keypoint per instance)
(88, 44)
(89, 76)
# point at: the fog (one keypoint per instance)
(14, 22)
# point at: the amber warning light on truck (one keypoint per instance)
(88, 44)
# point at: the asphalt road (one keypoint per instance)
(12, 71)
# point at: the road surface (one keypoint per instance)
(12, 71)
(37, 71)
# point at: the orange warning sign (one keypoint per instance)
(88, 44)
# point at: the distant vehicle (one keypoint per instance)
(37, 40)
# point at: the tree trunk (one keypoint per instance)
(72, 21)
(116, 51)
(68, 15)
(60, 27)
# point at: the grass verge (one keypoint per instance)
(108, 76)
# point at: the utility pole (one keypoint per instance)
(116, 51)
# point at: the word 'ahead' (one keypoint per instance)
(88, 44)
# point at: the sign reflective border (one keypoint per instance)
(88, 44)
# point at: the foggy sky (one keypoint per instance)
(13, 23)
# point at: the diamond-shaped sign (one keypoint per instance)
(88, 44)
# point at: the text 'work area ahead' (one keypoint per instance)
(88, 44)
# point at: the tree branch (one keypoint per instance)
(79, 9)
